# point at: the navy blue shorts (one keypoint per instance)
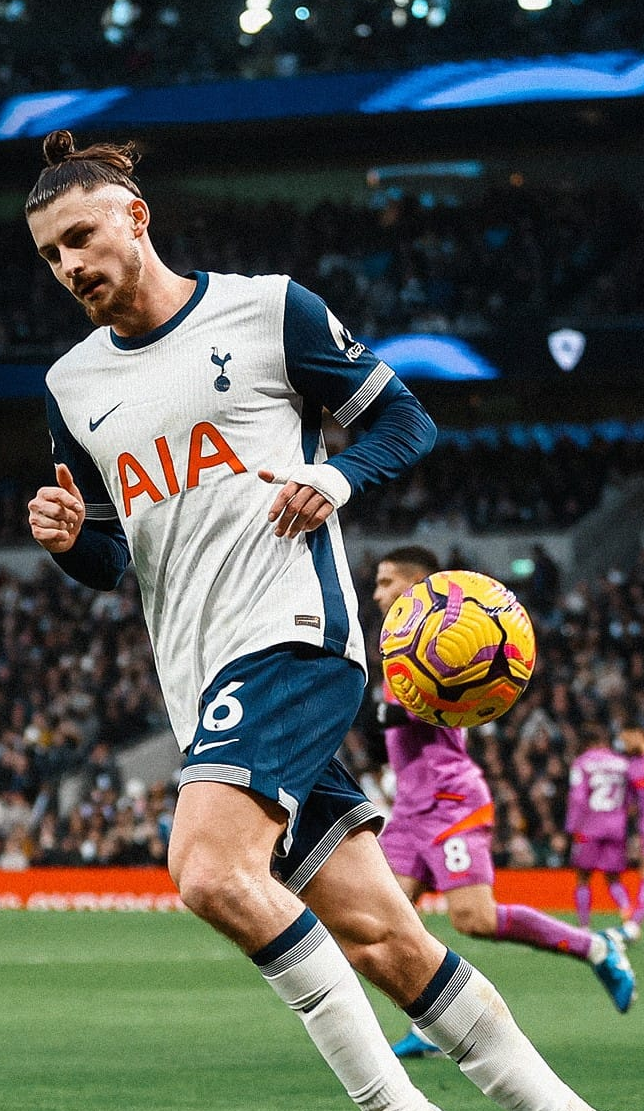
(272, 722)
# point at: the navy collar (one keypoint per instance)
(131, 343)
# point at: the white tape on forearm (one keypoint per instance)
(326, 479)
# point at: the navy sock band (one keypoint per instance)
(287, 939)
(435, 987)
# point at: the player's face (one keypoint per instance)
(92, 245)
(391, 580)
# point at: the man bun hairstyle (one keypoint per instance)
(66, 168)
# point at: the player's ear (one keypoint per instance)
(140, 214)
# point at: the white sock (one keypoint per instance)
(631, 930)
(317, 982)
(598, 949)
(472, 1024)
(420, 1034)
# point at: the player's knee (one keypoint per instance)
(210, 890)
(473, 921)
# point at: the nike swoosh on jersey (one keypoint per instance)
(93, 424)
(203, 746)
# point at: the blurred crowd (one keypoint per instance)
(178, 42)
(476, 486)
(77, 685)
(502, 259)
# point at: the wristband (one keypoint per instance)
(326, 479)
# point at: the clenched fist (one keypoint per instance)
(56, 513)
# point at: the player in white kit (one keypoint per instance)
(170, 424)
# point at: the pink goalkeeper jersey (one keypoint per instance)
(598, 796)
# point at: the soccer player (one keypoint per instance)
(439, 834)
(170, 423)
(597, 818)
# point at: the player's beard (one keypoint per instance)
(112, 308)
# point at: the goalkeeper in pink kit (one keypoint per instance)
(597, 818)
(439, 835)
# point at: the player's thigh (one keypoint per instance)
(220, 853)
(219, 827)
(462, 859)
(599, 856)
(355, 893)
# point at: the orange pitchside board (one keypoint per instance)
(152, 889)
(89, 889)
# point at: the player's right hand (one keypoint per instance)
(56, 513)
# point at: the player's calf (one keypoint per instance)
(464, 1014)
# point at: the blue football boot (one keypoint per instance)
(413, 1046)
(615, 973)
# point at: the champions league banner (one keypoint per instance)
(491, 82)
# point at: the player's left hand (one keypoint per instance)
(297, 508)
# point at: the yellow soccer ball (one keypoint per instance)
(457, 649)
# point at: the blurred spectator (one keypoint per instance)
(543, 588)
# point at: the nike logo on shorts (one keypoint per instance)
(203, 746)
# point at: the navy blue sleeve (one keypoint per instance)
(98, 558)
(329, 368)
(323, 361)
(400, 433)
(101, 554)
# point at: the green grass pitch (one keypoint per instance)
(153, 1012)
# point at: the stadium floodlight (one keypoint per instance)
(255, 17)
(437, 15)
(251, 21)
(123, 13)
(118, 19)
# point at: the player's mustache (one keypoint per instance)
(80, 287)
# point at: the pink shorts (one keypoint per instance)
(460, 860)
(599, 856)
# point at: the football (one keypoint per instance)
(457, 649)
